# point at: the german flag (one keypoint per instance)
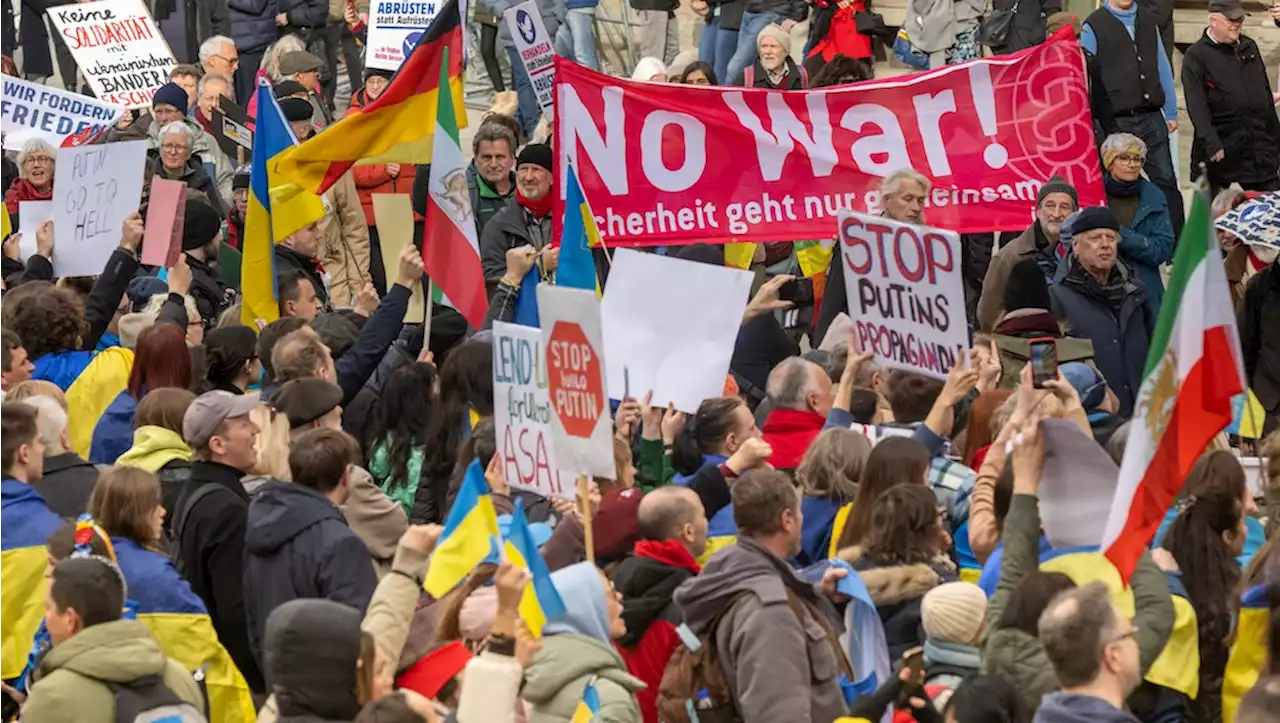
(399, 126)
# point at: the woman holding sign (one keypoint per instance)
(175, 163)
(35, 177)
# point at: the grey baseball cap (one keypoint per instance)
(212, 409)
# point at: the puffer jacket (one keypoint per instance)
(560, 672)
(897, 591)
(253, 24)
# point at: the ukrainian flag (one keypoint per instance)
(541, 601)
(1249, 651)
(589, 706)
(178, 620)
(579, 234)
(277, 209)
(25, 523)
(468, 537)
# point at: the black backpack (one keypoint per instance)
(149, 700)
(180, 522)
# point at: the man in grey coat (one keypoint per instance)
(777, 636)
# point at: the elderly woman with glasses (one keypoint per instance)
(35, 177)
(176, 163)
(1146, 229)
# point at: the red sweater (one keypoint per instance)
(790, 432)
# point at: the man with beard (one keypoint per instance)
(1057, 200)
(525, 220)
(201, 240)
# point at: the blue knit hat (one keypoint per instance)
(171, 94)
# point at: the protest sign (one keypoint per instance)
(118, 47)
(30, 215)
(677, 164)
(906, 297)
(395, 27)
(231, 129)
(1254, 222)
(535, 48)
(94, 189)
(1077, 485)
(581, 429)
(522, 412)
(166, 213)
(33, 111)
(393, 213)
(653, 342)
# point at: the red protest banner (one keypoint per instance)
(677, 164)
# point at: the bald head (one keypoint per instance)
(673, 512)
(800, 384)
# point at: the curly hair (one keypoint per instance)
(48, 321)
(904, 527)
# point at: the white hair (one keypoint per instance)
(271, 58)
(211, 77)
(51, 420)
(647, 68)
(892, 183)
(1118, 143)
(156, 302)
(791, 382)
(213, 46)
(178, 127)
(35, 145)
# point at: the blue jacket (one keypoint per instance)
(113, 435)
(25, 519)
(1256, 538)
(298, 545)
(1073, 708)
(819, 519)
(1120, 339)
(154, 583)
(1148, 241)
(62, 368)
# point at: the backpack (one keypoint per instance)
(694, 685)
(149, 700)
(180, 522)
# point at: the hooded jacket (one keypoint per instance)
(114, 432)
(1073, 708)
(577, 647)
(648, 581)
(897, 591)
(310, 651)
(298, 545)
(71, 681)
(67, 483)
(779, 667)
(154, 447)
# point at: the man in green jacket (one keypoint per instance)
(94, 649)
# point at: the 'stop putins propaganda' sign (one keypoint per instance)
(119, 48)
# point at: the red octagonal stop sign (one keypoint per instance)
(574, 379)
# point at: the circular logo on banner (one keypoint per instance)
(410, 42)
(527, 29)
(574, 379)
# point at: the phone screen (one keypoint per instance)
(1044, 362)
(797, 291)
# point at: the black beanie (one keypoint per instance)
(1026, 287)
(1093, 218)
(200, 225)
(1057, 185)
(539, 154)
(379, 72)
(171, 94)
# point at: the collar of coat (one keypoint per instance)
(892, 584)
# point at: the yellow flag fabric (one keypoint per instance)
(469, 536)
(93, 391)
(739, 255)
(22, 607)
(1248, 651)
(191, 641)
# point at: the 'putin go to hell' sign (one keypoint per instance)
(581, 430)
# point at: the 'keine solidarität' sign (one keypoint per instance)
(906, 297)
(119, 48)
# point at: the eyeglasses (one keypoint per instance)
(175, 148)
(1131, 635)
(1128, 158)
(39, 159)
(233, 62)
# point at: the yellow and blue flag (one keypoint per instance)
(469, 534)
(25, 523)
(541, 601)
(589, 706)
(178, 620)
(277, 210)
(578, 235)
(1249, 651)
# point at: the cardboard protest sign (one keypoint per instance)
(906, 297)
(166, 213)
(679, 164)
(581, 429)
(94, 189)
(535, 48)
(395, 27)
(30, 215)
(1254, 222)
(670, 326)
(231, 128)
(522, 412)
(393, 213)
(31, 110)
(118, 47)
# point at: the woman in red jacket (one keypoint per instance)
(377, 177)
(842, 36)
(35, 177)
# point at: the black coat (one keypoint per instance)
(1259, 325)
(289, 260)
(1229, 100)
(211, 552)
(188, 23)
(647, 586)
(796, 10)
(253, 24)
(67, 483)
(304, 15)
(1028, 28)
(197, 179)
(508, 229)
(298, 545)
(208, 291)
(795, 79)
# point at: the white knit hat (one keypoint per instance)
(953, 612)
(775, 31)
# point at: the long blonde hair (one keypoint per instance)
(271, 59)
(273, 444)
(833, 465)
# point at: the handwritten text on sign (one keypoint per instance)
(906, 297)
(119, 48)
(575, 370)
(522, 411)
(94, 189)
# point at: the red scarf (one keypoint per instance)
(22, 190)
(790, 432)
(539, 208)
(668, 552)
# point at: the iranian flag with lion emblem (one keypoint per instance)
(1194, 368)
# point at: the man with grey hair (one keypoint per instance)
(491, 177)
(1094, 650)
(210, 91)
(902, 197)
(218, 56)
(68, 479)
(801, 396)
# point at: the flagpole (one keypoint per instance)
(426, 316)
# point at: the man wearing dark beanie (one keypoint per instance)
(526, 221)
(1057, 200)
(1101, 300)
(201, 240)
